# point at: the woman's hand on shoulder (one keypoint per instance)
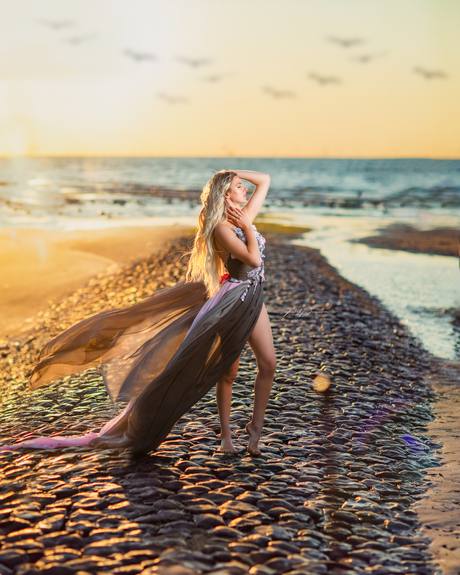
(238, 218)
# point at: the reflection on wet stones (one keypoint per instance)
(331, 493)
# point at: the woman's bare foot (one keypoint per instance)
(253, 440)
(226, 446)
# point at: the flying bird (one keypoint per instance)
(194, 62)
(324, 79)
(430, 74)
(278, 93)
(345, 42)
(172, 99)
(57, 24)
(366, 58)
(79, 39)
(214, 78)
(138, 56)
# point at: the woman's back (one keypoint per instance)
(221, 251)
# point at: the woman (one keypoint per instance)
(229, 246)
(168, 351)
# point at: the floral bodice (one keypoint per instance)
(255, 275)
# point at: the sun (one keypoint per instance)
(17, 138)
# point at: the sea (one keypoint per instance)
(340, 200)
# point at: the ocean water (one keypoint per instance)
(49, 190)
(422, 290)
(341, 199)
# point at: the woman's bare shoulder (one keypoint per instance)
(247, 211)
(220, 225)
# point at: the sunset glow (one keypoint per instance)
(230, 78)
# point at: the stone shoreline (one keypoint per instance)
(332, 493)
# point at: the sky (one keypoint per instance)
(244, 78)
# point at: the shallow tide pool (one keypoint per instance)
(419, 289)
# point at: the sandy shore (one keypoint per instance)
(439, 241)
(440, 510)
(39, 265)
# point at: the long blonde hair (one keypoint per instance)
(205, 264)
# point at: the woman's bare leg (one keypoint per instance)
(224, 402)
(261, 342)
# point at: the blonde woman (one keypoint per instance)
(166, 352)
(218, 246)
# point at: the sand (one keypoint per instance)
(39, 266)
(439, 241)
(439, 511)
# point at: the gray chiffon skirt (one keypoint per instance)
(162, 354)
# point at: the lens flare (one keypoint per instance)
(321, 382)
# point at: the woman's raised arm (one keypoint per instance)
(256, 201)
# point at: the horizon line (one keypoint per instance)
(38, 156)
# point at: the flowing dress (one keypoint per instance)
(162, 354)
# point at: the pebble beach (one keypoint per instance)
(341, 473)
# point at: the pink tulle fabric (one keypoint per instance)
(69, 441)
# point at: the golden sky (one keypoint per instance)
(262, 78)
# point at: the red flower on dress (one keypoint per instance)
(224, 277)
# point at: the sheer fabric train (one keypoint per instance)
(162, 354)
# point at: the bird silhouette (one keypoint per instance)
(75, 40)
(213, 78)
(57, 24)
(172, 99)
(193, 62)
(323, 80)
(430, 74)
(345, 42)
(278, 93)
(366, 58)
(138, 56)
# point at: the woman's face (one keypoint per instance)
(237, 192)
